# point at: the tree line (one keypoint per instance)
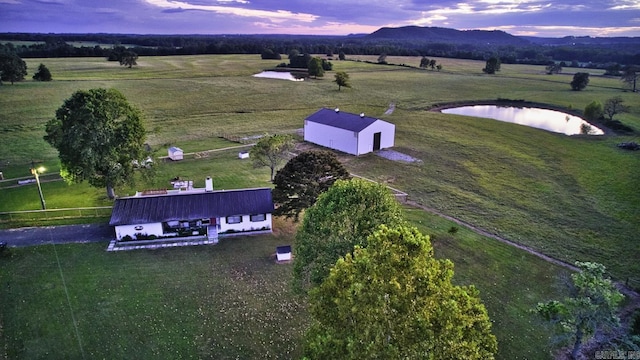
(57, 45)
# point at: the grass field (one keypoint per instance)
(574, 198)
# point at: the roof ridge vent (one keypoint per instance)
(361, 114)
(337, 110)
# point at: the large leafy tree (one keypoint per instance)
(342, 79)
(492, 65)
(271, 151)
(99, 136)
(394, 300)
(128, 58)
(315, 67)
(580, 81)
(43, 74)
(12, 67)
(299, 183)
(592, 305)
(342, 217)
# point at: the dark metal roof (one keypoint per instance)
(341, 119)
(188, 206)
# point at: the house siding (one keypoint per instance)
(245, 225)
(148, 229)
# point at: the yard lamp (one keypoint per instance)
(35, 172)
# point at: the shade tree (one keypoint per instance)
(271, 151)
(392, 299)
(342, 217)
(580, 81)
(12, 67)
(43, 73)
(613, 106)
(342, 79)
(591, 305)
(303, 178)
(99, 137)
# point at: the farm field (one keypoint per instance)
(573, 198)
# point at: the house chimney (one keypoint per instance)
(208, 184)
(337, 110)
(361, 115)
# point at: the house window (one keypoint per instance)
(234, 219)
(258, 217)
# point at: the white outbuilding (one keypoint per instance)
(354, 134)
(175, 153)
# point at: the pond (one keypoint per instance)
(550, 120)
(282, 75)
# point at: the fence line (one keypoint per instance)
(55, 214)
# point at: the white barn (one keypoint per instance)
(350, 133)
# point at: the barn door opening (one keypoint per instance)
(376, 141)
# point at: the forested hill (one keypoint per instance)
(448, 36)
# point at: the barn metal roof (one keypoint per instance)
(190, 205)
(341, 119)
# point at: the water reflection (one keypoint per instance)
(283, 75)
(545, 119)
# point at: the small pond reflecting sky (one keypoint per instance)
(549, 120)
(282, 75)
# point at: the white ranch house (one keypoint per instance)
(198, 212)
(350, 133)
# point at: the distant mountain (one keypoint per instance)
(445, 35)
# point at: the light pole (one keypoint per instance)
(35, 172)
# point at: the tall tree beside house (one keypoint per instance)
(271, 151)
(591, 306)
(394, 300)
(307, 175)
(99, 137)
(580, 81)
(342, 217)
(342, 79)
(12, 67)
(315, 67)
(43, 74)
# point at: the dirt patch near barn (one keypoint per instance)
(397, 156)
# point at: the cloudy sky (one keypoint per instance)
(555, 18)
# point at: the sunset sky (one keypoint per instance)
(320, 17)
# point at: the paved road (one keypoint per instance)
(57, 234)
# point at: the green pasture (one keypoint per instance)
(226, 301)
(573, 198)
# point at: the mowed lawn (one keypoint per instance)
(229, 300)
(574, 198)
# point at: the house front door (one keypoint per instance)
(376, 141)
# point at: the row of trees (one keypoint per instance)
(56, 45)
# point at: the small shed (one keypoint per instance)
(243, 155)
(283, 253)
(354, 134)
(175, 153)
